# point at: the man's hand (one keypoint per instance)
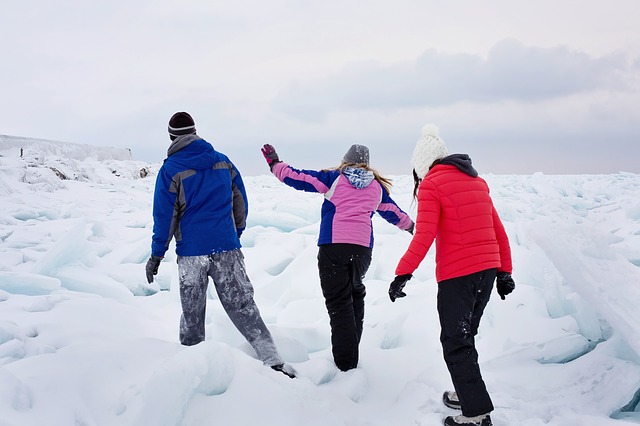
(152, 267)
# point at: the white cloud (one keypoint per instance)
(511, 71)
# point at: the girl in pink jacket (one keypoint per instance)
(353, 192)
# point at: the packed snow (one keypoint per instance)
(84, 340)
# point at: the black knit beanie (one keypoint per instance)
(180, 124)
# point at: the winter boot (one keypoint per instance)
(285, 369)
(481, 420)
(450, 399)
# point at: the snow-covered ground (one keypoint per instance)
(84, 340)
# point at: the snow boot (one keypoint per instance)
(481, 420)
(450, 399)
(285, 369)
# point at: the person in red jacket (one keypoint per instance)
(472, 250)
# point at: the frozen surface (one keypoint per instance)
(84, 340)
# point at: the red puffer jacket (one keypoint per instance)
(456, 210)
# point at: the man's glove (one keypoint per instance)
(270, 155)
(504, 284)
(152, 267)
(396, 286)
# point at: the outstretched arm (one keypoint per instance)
(389, 211)
(303, 180)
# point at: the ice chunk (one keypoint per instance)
(28, 284)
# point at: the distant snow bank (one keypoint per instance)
(44, 165)
(11, 146)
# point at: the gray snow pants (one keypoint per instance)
(236, 296)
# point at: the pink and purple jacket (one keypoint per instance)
(350, 201)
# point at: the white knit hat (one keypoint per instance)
(428, 149)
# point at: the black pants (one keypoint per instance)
(342, 268)
(461, 302)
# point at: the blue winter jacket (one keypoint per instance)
(199, 199)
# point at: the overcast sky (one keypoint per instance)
(547, 86)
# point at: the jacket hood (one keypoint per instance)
(462, 162)
(191, 151)
(180, 142)
(357, 177)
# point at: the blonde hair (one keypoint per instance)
(383, 181)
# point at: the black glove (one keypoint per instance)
(504, 284)
(270, 155)
(152, 267)
(396, 286)
(412, 228)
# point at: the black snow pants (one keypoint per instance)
(461, 302)
(342, 268)
(236, 296)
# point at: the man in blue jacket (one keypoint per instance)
(200, 200)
